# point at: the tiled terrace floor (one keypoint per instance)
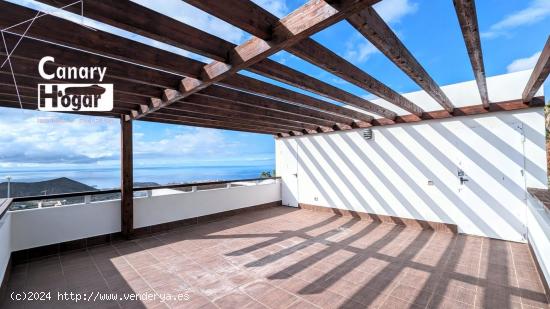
(286, 258)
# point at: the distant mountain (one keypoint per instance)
(145, 184)
(47, 187)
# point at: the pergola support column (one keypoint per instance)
(126, 178)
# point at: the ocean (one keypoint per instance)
(104, 178)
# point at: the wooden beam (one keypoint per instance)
(28, 87)
(243, 15)
(206, 113)
(28, 66)
(471, 110)
(26, 71)
(312, 52)
(116, 13)
(135, 18)
(126, 178)
(153, 118)
(539, 75)
(301, 23)
(129, 87)
(282, 113)
(254, 100)
(306, 49)
(373, 27)
(252, 85)
(73, 35)
(317, 54)
(182, 120)
(300, 80)
(28, 102)
(195, 115)
(31, 82)
(30, 52)
(467, 17)
(459, 111)
(278, 116)
(197, 122)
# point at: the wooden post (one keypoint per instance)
(126, 178)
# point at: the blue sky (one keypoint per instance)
(513, 33)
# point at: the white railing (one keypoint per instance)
(76, 198)
(49, 225)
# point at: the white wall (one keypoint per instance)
(172, 207)
(389, 175)
(538, 223)
(5, 243)
(45, 226)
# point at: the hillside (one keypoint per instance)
(52, 186)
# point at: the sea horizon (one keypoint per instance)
(109, 177)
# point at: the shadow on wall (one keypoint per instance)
(412, 171)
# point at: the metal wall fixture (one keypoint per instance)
(367, 133)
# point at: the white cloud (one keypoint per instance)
(536, 11)
(359, 49)
(523, 63)
(275, 7)
(39, 137)
(50, 139)
(393, 10)
(369, 97)
(190, 142)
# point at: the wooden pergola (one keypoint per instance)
(152, 84)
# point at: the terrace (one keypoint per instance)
(431, 199)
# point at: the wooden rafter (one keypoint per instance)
(192, 119)
(252, 100)
(199, 122)
(467, 17)
(312, 52)
(539, 75)
(126, 179)
(128, 15)
(285, 74)
(73, 35)
(249, 115)
(181, 35)
(146, 76)
(248, 84)
(373, 27)
(181, 109)
(228, 107)
(238, 116)
(324, 58)
(301, 23)
(210, 123)
(157, 80)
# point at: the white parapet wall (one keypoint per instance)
(414, 170)
(5, 244)
(178, 206)
(44, 226)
